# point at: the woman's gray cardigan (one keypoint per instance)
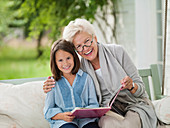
(115, 64)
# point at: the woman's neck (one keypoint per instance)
(95, 63)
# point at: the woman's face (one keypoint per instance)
(88, 52)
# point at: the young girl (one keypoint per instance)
(73, 88)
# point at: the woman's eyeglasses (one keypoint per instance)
(87, 43)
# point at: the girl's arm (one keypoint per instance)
(50, 109)
(52, 112)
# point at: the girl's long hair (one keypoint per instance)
(67, 46)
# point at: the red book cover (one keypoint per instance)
(90, 112)
(94, 112)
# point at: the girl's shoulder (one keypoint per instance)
(83, 73)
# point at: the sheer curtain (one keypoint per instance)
(167, 70)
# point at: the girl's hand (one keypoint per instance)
(127, 83)
(66, 116)
(48, 84)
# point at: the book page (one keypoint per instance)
(115, 95)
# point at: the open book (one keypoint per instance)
(98, 112)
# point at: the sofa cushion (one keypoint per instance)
(162, 109)
(22, 105)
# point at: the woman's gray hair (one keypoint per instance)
(77, 26)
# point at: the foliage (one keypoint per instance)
(23, 65)
(37, 17)
(5, 17)
(40, 16)
(8, 17)
(53, 15)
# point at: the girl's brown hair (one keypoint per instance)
(67, 46)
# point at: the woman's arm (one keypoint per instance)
(131, 71)
(48, 84)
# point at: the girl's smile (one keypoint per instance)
(64, 61)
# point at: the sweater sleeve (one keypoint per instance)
(50, 108)
(130, 69)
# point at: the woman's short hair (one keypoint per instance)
(67, 46)
(77, 26)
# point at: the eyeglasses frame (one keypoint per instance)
(85, 45)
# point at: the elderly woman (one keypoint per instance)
(110, 67)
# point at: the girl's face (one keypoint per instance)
(89, 53)
(64, 62)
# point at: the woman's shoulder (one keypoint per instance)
(115, 49)
(57, 84)
(113, 46)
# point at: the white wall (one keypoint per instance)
(136, 30)
(125, 28)
(145, 27)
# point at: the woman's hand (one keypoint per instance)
(127, 82)
(66, 116)
(48, 84)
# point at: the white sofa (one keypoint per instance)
(22, 102)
